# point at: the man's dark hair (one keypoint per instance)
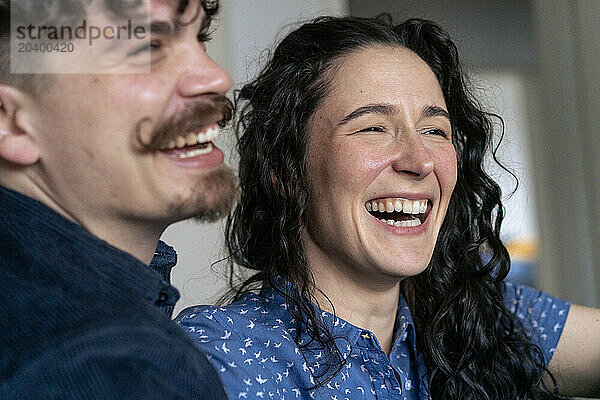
(65, 12)
(474, 348)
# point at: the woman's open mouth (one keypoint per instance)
(399, 211)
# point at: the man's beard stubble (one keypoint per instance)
(215, 196)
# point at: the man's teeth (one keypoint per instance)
(397, 205)
(191, 139)
(197, 152)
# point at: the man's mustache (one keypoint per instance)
(211, 109)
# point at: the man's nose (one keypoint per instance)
(203, 76)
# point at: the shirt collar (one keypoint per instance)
(404, 327)
(48, 238)
(164, 260)
(347, 334)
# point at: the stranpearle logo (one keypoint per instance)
(97, 40)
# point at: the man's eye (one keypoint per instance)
(151, 46)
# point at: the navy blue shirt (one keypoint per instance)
(81, 319)
(251, 344)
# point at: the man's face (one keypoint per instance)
(91, 130)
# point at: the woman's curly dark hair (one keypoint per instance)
(474, 348)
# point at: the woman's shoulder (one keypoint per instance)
(249, 342)
(210, 317)
(249, 316)
(543, 316)
(523, 300)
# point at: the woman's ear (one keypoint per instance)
(17, 142)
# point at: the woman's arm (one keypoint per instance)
(576, 361)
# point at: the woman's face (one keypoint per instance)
(380, 148)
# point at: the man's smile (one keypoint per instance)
(194, 144)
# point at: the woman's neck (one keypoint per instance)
(361, 302)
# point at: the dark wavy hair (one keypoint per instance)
(474, 348)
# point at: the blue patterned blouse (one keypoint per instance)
(250, 343)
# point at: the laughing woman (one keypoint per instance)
(364, 213)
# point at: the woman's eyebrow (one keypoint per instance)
(382, 109)
(390, 109)
(435, 111)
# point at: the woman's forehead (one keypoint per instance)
(381, 75)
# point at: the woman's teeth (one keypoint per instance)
(403, 212)
(397, 205)
(410, 222)
(192, 139)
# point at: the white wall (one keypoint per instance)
(504, 92)
(567, 151)
(244, 29)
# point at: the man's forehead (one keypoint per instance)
(170, 10)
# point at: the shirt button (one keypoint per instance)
(162, 297)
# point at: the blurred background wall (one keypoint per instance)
(536, 63)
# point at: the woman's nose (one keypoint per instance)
(412, 157)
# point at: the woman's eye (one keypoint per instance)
(436, 132)
(373, 129)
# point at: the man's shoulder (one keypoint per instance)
(58, 340)
(116, 361)
(42, 305)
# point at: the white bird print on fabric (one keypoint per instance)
(224, 348)
(269, 364)
(226, 336)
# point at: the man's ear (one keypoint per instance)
(17, 142)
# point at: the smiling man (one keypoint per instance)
(95, 162)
